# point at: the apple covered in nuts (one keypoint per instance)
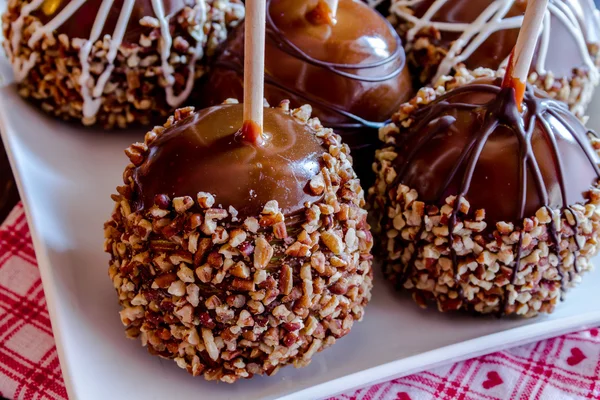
(114, 64)
(235, 258)
(484, 207)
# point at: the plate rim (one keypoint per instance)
(41, 255)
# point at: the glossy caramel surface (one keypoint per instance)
(206, 153)
(360, 37)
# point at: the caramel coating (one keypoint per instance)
(360, 36)
(443, 136)
(332, 74)
(205, 153)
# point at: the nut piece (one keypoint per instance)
(271, 208)
(317, 184)
(286, 280)
(209, 343)
(182, 204)
(263, 252)
(205, 200)
(333, 242)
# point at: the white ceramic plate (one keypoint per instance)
(66, 174)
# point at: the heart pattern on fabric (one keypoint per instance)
(576, 357)
(493, 380)
(403, 396)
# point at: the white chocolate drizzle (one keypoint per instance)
(91, 105)
(21, 68)
(165, 40)
(494, 19)
(165, 52)
(91, 92)
(57, 21)
(175, 100)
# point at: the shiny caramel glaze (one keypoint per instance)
(444, 137)
(205, 153)
(79, 25)
(354, 100)
(563, 55)
(360, 37)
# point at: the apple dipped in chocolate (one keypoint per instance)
(113, 63)
(484, 207)
(350, 68)
(236, 253)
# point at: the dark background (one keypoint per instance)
(8, 190)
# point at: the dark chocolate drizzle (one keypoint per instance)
(500, 111)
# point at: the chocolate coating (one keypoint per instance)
(563, 55)
(79, 25)
(204, 153)
(352, 73)
(560, 167)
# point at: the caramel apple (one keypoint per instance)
(233, 256)
(443, 35)
(115, 64)
(482, 207)
(352, 71)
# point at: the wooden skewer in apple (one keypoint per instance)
(333, 5)
(254, 72)
(522, 55)
(254, 66)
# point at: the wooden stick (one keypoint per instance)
(333, 6)
(528, 37)
(254, 71)
(522, 55)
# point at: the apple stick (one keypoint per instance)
(333, 6)
(254, 71)
(522, 55)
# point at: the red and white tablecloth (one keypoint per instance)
(566, 367)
